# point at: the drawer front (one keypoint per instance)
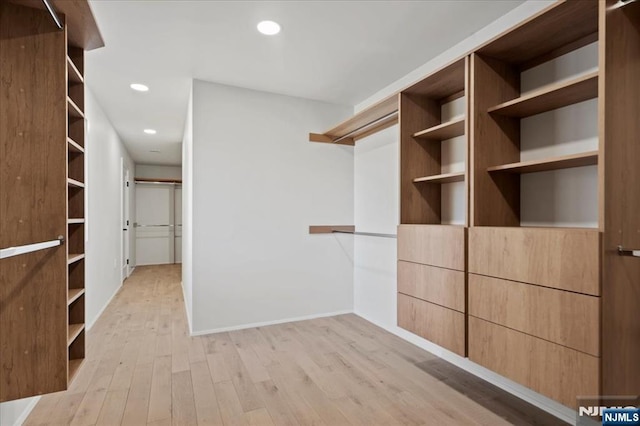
(441, 286)
(442, 326)
(435, 245)
(568, 259)
(557, 372)
(566, 318)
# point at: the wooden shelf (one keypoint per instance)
(551, 97)
(74, 367)
(74, 146)
(358, 126)
(74, 332)
(74, 258)
(74, 111)
(547, 164)
(448, 130)
(443, 178)
(74, 293)
(75, 183)
(74, 75)
(74, 221)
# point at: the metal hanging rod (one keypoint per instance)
(627, 252)
(29, 248)
(367, 234)
(366, 126)
(53, 14)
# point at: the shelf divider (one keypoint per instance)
(74, 332)
(74, 111)
(550, 97)
(75, 75)
(75, 183)
(555, 163)
(74, 146)
(74, 294)
(443, 131)
(442, 178)
(73, 258)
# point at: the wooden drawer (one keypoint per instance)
(442, 326)
(441, 286)
(568, 259)
(435, 245)
(566, 318)
(552, 370)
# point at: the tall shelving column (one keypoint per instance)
(431, 238)
(75, 209)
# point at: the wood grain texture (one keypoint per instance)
(560, 24)
(443, 178)
(494, 140)
(553, 96)
(555, 371)
(436, 245)
(555, 163)
(448, 81)
(419, 204)
(566, 259)
(329, 371)
(448, 130)
(569, 319)
(441, 286)
(33, 150)
(620, 197)
(442, 326)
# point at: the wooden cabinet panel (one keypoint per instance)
(442, 326)
(435, 245)
(33, 181)
(558, 372)
(568, 259)
(566, 318)
(444, 287)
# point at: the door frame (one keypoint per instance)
(125, 222)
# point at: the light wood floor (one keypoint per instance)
(142, 368)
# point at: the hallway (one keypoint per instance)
(143, 368)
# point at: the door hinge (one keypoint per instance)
(127, 223)
(127, 261)
(127, 184)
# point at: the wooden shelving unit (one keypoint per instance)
(75, 257)
(74, 221)
(373, 119)
(75, 183)
(74, 146)
(74, 332)
(551, 97)
(74, 294)
(547, 164)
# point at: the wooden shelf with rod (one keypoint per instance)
(74, 332)
(371, 120)
(547, 164)
(442, 178)
(448, 130)
(551, 97)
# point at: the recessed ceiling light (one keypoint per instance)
(139, 87)
(150, 131)
(269, 27)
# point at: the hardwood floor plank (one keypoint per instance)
(204, 395)
(182, 400)
(113, 408)
(160, 393)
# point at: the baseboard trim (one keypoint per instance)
(266, 323)
(27, 410)
(186, 309)
(93, 321)
(542, 402)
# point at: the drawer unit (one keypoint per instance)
(553, 370)
(435, 245)
(569, 319)
(442, 326)
(567, 259)
(445, 287)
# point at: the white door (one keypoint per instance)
(178, 223)
(154, 224)
(126, 220)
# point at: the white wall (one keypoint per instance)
(158, 172)
(104, 152)
(187, 211)
(258, 183)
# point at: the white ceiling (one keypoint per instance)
(334, 51)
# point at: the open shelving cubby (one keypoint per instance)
(433, 147)
(75, 209)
